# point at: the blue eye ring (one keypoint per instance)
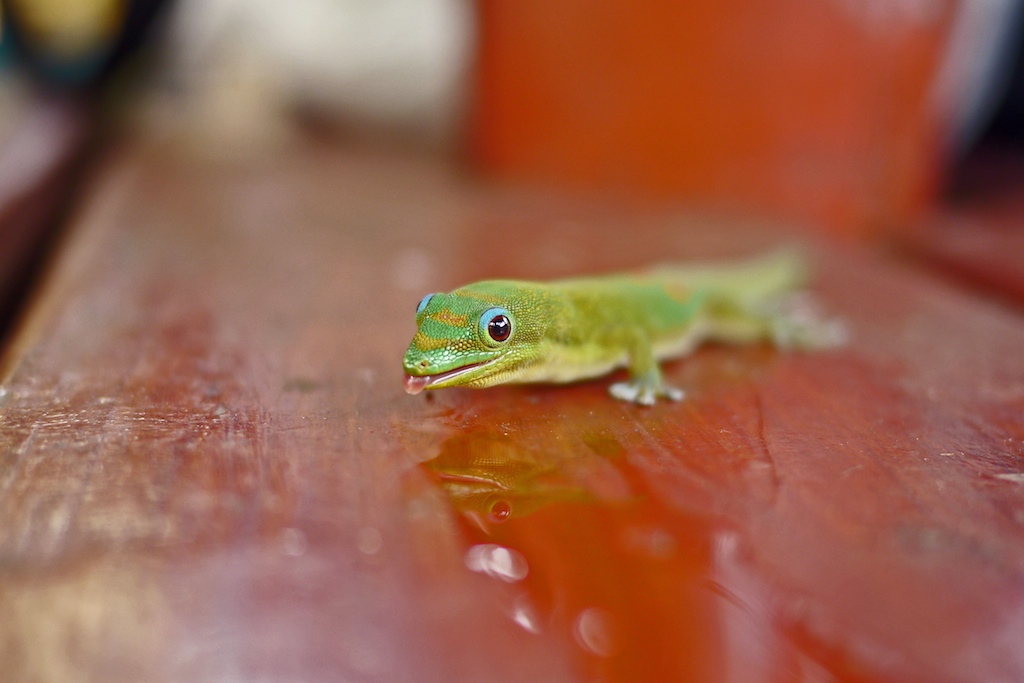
(496, 325)
(423, 303)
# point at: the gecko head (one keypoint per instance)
(476, 336)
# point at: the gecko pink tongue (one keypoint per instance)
(414, 385)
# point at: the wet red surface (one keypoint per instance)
(209, 467)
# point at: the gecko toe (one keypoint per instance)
(641, 394)
(673, 393)
(624, 391)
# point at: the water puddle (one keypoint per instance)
(560, 510)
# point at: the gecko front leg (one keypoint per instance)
(645, 385)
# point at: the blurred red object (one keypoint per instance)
(823, 112)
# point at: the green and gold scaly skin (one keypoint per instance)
(503, 331)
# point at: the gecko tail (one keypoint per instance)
(748, 282)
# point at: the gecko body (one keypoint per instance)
(504, 331)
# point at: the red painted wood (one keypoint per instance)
(209, 469)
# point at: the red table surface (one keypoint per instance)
(209, 469)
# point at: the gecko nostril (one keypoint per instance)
(423, 363)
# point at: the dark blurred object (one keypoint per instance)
(976, 236)
(49, 121)
(75, 44)
(42, 142)
(833, 114)
(1008, 121)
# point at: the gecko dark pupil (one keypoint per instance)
(499, 328)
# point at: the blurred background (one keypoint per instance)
(853, 118)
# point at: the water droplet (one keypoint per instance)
(593, 632)
(498, 562)
(524, 614)
(369, 541)
(365, 653)
(293, 542)
(661, 544)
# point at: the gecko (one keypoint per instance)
(510, 331)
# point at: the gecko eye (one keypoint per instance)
(499, 328)
(497, 324)
(423, 303)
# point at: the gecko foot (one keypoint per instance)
(798, 322)
(644, 394)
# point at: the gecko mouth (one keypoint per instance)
(414, 384)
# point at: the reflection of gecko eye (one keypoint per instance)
(500, 510)
(497, 324)
(423, 303)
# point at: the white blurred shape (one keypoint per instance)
(593, 632)
(398, 64)
(497, 561)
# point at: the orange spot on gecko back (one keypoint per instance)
(424, 342)
(446, 316)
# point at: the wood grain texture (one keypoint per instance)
(209, 469)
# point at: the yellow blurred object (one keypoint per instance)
(69, 28)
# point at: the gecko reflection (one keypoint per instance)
(491, 478)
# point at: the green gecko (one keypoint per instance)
(503, 331)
